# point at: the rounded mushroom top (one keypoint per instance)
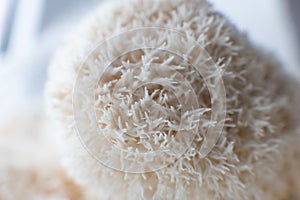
(171, 92)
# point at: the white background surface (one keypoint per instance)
(268, 24)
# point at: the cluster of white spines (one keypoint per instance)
(256, 128)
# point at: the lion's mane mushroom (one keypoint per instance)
(255, 156)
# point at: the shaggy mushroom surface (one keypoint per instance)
(137, 104)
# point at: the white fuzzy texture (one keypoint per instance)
(255, 158)
(30, 167)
